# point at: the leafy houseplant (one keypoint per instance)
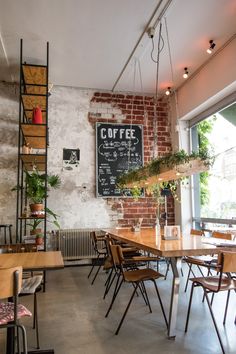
(37, 221)
(37, 187)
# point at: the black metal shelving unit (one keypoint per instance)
(33, 93)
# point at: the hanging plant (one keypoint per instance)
(171, 161)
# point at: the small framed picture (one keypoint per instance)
(172, 232)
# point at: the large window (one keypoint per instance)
(215, 191)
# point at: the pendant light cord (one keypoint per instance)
(159, 49)
(172, 78)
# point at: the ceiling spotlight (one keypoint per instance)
(168, 91)
(185, 74)
(212, 46)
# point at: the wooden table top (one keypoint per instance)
(32, 260)
(188, 245)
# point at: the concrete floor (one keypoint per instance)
(71, 319)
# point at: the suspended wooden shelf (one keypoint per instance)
(35, 135)
(34, 160)
(168, 174)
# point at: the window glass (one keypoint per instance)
(217, 187)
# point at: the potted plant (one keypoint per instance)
(51, 218)
(37, 187)
(39, 239)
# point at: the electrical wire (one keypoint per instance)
(172, 78)
(132, 109)
(153, 47)
(159, 49)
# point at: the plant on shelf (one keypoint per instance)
(39, 239)
(37, 188)
(51, 218)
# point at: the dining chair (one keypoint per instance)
(222, 235)
(192, 260)
(12, 311)
(31, 284)
(215, 284)
(137, 277)
(132, 260)
(204, 261)
(99, 246)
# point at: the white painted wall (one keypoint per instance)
(216, 80)
(68, 128)
(213, 82)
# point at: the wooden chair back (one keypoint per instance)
(117, 254)
(10, 282)
(229, 262)
(223, 235)
(196, 232)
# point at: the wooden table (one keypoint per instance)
(148, 240)
(30, 261)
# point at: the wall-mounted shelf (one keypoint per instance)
(31, 161)
(35, 78)
(33, 94)
(35, 135)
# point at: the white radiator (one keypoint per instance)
(76, 244)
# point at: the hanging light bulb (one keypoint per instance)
(168, 91)
(185, 74)
(212, 46)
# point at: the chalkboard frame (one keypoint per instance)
(142, 155)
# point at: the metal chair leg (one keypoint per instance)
(162, 307)
(214, 321)
(24, 338)
(189, 307)
(36, 320)
(167, 268)
(226, 307)
(109, 283)
(116, 290)
(95, 276)
(126, 310)
(145, 295)
(93, 266)
(188, 276)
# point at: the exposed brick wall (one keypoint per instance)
(127, 109)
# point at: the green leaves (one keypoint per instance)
(170, 160)
(36, 188)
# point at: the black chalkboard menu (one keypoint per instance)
(119, 148)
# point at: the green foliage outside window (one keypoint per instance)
(204, 129)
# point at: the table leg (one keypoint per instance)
(176, 266)
(10, 347)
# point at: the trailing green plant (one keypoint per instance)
(204, 128)
(170, 160)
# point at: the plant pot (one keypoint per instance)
(37, 116)
(39, 241)
(35, 231)
(37, 210)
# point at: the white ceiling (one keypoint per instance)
(91, 40)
